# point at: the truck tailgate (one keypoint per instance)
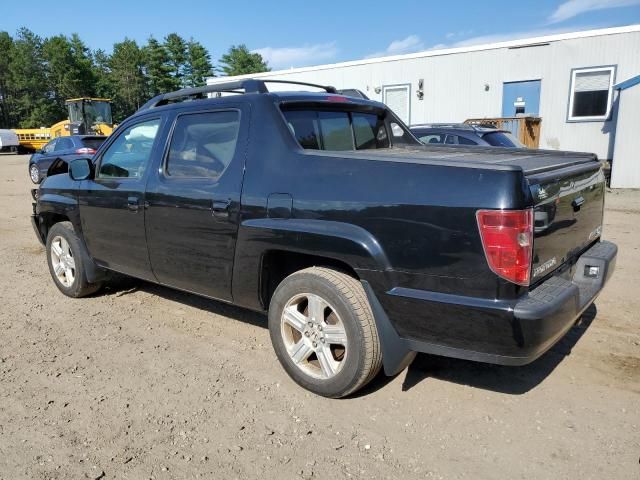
(568, 210)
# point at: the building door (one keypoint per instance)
(521, 98)
(397, 97)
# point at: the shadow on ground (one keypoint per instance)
(124, 286)
(497, 378)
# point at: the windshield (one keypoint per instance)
(502, 139)
(95, 111)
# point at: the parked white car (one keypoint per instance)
(8, 141)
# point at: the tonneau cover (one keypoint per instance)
(529, 161)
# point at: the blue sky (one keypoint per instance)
(294, 33)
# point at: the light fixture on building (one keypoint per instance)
(420, 91)
(486, 87)
(377, 89)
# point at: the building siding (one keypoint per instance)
(454, 83)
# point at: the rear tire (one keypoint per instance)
(65, 262)
(324, 333)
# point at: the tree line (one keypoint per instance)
(38, 74)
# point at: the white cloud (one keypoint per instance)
(286, 57)
(410, 44)
(461, 33)
(573, 8)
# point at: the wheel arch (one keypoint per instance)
(55, 208)
(271, 249)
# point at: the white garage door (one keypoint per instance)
(396, 97)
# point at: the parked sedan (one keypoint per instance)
(462, 134)
(62, 148)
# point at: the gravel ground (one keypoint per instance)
(144, 382)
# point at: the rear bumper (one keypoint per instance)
(494, 331)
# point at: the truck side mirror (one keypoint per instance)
(80, 169)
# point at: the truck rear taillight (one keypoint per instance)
(85, 151)
(507, 239)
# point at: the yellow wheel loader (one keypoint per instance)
(87, 116)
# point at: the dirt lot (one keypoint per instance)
(143, 382)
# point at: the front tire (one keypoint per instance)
(324, 333)
(34, 173)
(65, 262)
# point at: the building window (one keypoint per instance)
(591, 93)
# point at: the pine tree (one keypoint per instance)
(6, 47)
(240, 61)
(157, 68)
(61, 73)
(83, 60)
(127, 78)
(198, 65)
(27, 74)
(102, 74)
(177, 52)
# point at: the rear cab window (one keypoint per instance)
(92, 142)
(337, 130)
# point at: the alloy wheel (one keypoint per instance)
(64, 266)
(314, 336)
(34, 173)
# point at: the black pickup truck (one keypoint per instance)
(363, 245)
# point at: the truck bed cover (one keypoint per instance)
(529, 161)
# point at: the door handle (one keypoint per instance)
(577, 203)
(220, 208)
(133, 204)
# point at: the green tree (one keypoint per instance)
(62, 77)
(198, 65)
(126, 77)
(102, 74)
(6, 47)
(177, 52)
(157, 68)
(83, 60)
(27, 73)
(240, 61)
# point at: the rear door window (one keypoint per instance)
(48, 148)
(337, 130)
(203, 144)
(432, 138)
(63, 144)
(502, 139)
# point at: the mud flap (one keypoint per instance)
(396, 355)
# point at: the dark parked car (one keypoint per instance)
(64, 149)
(363, 245)
(462, 134)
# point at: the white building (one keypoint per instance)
(569, 80)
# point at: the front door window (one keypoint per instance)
(128, 156)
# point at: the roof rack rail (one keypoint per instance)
(238, 86)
